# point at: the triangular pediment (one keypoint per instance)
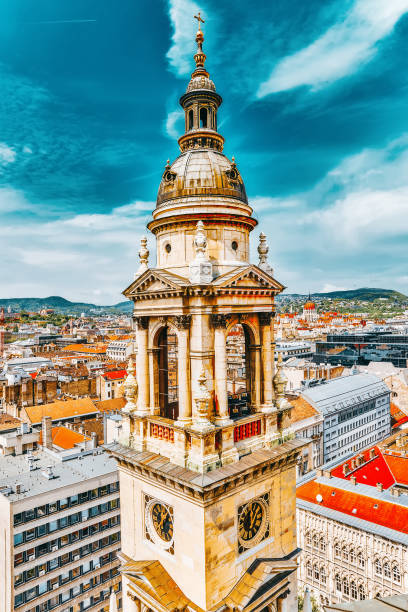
(155, 281)
(250, 277)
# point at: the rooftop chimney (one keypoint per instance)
(48, 473)
(372, 453)
(380, 486)
(47, 432)
(94, 438)
(19, 488)
(346, 469)
(353, 480)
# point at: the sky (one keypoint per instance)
(315, 98)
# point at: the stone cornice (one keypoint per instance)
(205, 488)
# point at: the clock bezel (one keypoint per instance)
(263, 530)
(150, 530)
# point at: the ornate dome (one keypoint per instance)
(309, 306)
(200, 81)
(201, 172)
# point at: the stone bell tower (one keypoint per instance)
(207, 489)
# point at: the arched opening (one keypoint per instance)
(203, 117)
(168, 379)
(240, 371)
(190, 120)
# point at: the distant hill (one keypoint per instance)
(364, 294)
(60, 304)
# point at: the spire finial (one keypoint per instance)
(199, 57)
(143, 255)
(263, 250)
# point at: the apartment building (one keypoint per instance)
(60, 526)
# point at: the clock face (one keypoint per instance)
(162, 521)
(159, 524)
(250, 521)
(253, 522)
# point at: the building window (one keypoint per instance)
(345, 554)
(315, 541)
(361, 592)
(323, 577)
(378, 567)
(396, 575)
(353, 590)
(361, 560)
(338, 583)
(337, 551)
(387, 570)
(346, 589)
(322, 545)
(316, 572)
(352, 556)
(309, 569)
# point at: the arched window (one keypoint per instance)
(361, 591)
(346, 589)
(241, 368)
(352, 555)
(168, 374)
(308, 539)
(345, 554)
(323, 577)
(396, 574)
(378, 567)
(337, 550)
(203, 117)
(360, 559)
(190, 120)
(387, 570)
(316, 572)
(315, 541)
(322, 544)
(353, 590)
(309, 569)
(338, 583)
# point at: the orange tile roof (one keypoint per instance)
(8, 422)
(301, 410)
(398, 467)
(65, 438)
(60, 409)
(386, 514)
(85, 348)
(117, 403)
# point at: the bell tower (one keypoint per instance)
(207, 474)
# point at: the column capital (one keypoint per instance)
(219, 321)
(141, 322)
(182, 321)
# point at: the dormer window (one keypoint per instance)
(203, 117)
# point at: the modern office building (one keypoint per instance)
(355, 410)
(60, 531)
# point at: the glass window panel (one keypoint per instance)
(64, 503)
(18, 539)
(41, 530)
(42, 588)
(41, 511)
(74, 499)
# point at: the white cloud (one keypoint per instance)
(181, 13)
(340, 51)
(265, 203)
(327, 288)
(78, 257)
(173, 123)
(7, 154)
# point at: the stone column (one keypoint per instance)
(154, 381)
(265, 319)
(182, 323)
(142, 366)
(219, 322)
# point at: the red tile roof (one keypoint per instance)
(114, 375)
(371, 472)
(366, 508)
(399, 468)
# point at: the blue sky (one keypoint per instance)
(315, 113)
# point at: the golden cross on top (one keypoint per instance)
(199, 19)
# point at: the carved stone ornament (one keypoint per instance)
(263, 250)
(142, 322)
(130, 387)
(182, 321)
(168, 175)
(143, 255)
(202, 401)
(200, 267)
(219, 320)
